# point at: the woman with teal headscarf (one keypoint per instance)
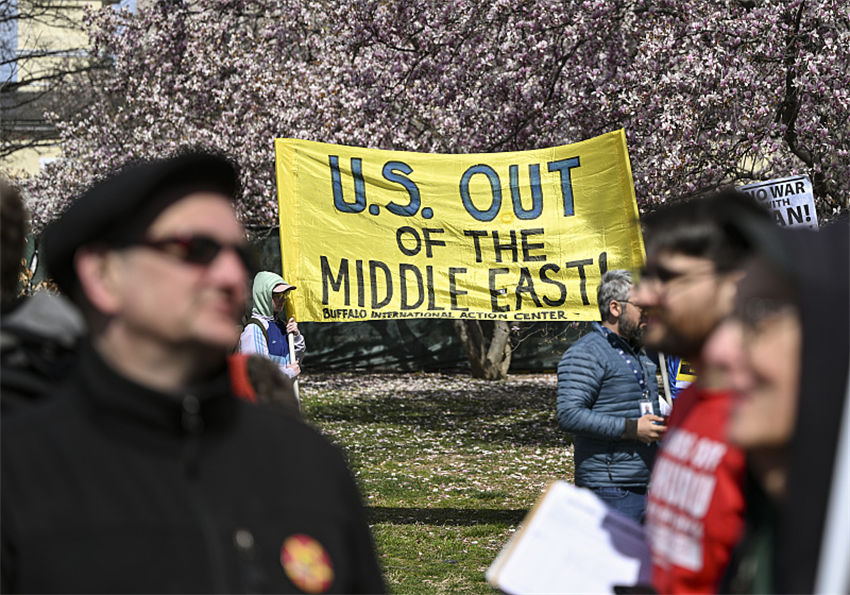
(264, 334)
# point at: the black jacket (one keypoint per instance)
(39, 337)
(112, 487)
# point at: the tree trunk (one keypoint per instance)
(487, 345)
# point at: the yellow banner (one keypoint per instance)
(370, 234)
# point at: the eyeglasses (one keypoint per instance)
(755, 311)
(199, 249)
(664, 276)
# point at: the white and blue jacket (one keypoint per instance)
(253, 340)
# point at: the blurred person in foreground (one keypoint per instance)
(145, 473)
(13, 229)
(603, 378)
(695, 250)
(257, 379)
(785, 352)
(264, 334)
(39, 333)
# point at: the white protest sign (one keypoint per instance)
(571, 542)
(790, 200)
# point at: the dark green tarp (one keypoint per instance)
(419, 344)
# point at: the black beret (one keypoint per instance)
(121, 207)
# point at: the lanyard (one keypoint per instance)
(614, 339)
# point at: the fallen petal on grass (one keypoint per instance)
(443, 461)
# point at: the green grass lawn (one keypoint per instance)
(447, 465)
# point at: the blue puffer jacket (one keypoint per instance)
(597, 392)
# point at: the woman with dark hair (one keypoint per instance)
(786, 354)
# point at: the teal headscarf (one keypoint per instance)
(264, 282)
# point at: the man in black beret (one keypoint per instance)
(144, 473)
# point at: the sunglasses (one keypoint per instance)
(199, 249)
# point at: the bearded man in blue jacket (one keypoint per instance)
(608, 400)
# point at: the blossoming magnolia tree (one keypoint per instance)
(709, 93)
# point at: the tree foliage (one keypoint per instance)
(711, 92)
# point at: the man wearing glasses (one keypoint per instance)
(144, 473)
(695, 503)
(608, 400)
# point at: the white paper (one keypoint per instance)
(664, 408)
(572, 543)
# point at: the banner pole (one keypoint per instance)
(662, 362)
(291, 339)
